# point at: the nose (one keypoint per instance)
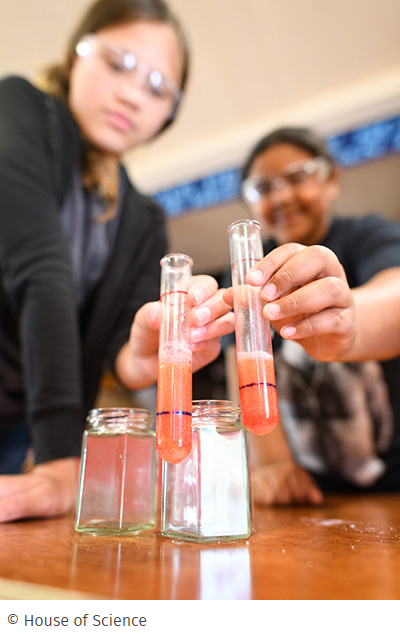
(281, 191)
(133, 90)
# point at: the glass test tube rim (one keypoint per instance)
(178, 257)
(175, 267)
(246, 222)
(241, 232)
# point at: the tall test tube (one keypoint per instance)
(257, 384)
(174, 384)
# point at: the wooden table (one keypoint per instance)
(347, 549)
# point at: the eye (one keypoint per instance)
(263, 187)
(129, 61)
(253, 190)
(157, 84)
(298, 176)
(114, 61)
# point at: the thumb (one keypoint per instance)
(153, 314)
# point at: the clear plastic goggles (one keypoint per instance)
(119, 62)
(255, 187)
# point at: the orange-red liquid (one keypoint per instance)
(174, 411)
(258, 397)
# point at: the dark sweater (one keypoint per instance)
(51, 354)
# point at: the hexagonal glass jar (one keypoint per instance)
(206, 497)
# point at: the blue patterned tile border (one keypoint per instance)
(361, 145)
(367, 143)
(206, 192)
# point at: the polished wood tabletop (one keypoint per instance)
(347, 549)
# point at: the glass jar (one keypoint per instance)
(206, 496)
(118, 478)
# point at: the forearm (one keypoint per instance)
(271, 448)
(377, 318)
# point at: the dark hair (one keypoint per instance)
(105, 13)
(302, 137)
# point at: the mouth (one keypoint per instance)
(286, 218)
(119, 122)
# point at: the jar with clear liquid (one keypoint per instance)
(206, 497)
(118, 478)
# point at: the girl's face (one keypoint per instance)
(296, 209)
(118, 109)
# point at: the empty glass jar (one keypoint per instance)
(118, 479)
(206, 496)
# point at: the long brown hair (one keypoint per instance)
(100, 173)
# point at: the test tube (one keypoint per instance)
(257, 384)
(174, 384)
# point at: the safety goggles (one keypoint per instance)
(121, 63)
(255, 187)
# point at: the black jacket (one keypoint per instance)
(51, 354)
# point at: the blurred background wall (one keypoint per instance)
(255, 64)
(334, 64)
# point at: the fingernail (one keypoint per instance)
(288, 331)
(255, 276)
(198, 294)
(269, 291)
(197, 334)
(272, 310)
(202, 315)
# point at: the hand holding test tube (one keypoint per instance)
(257, 385)
(174, 384)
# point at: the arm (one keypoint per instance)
(36, 274)
(38, 292)
(377, 306)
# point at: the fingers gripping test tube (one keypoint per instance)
(174, 384)
(257, 385)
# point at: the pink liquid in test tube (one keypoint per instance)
(174, 384)
(256, 371)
